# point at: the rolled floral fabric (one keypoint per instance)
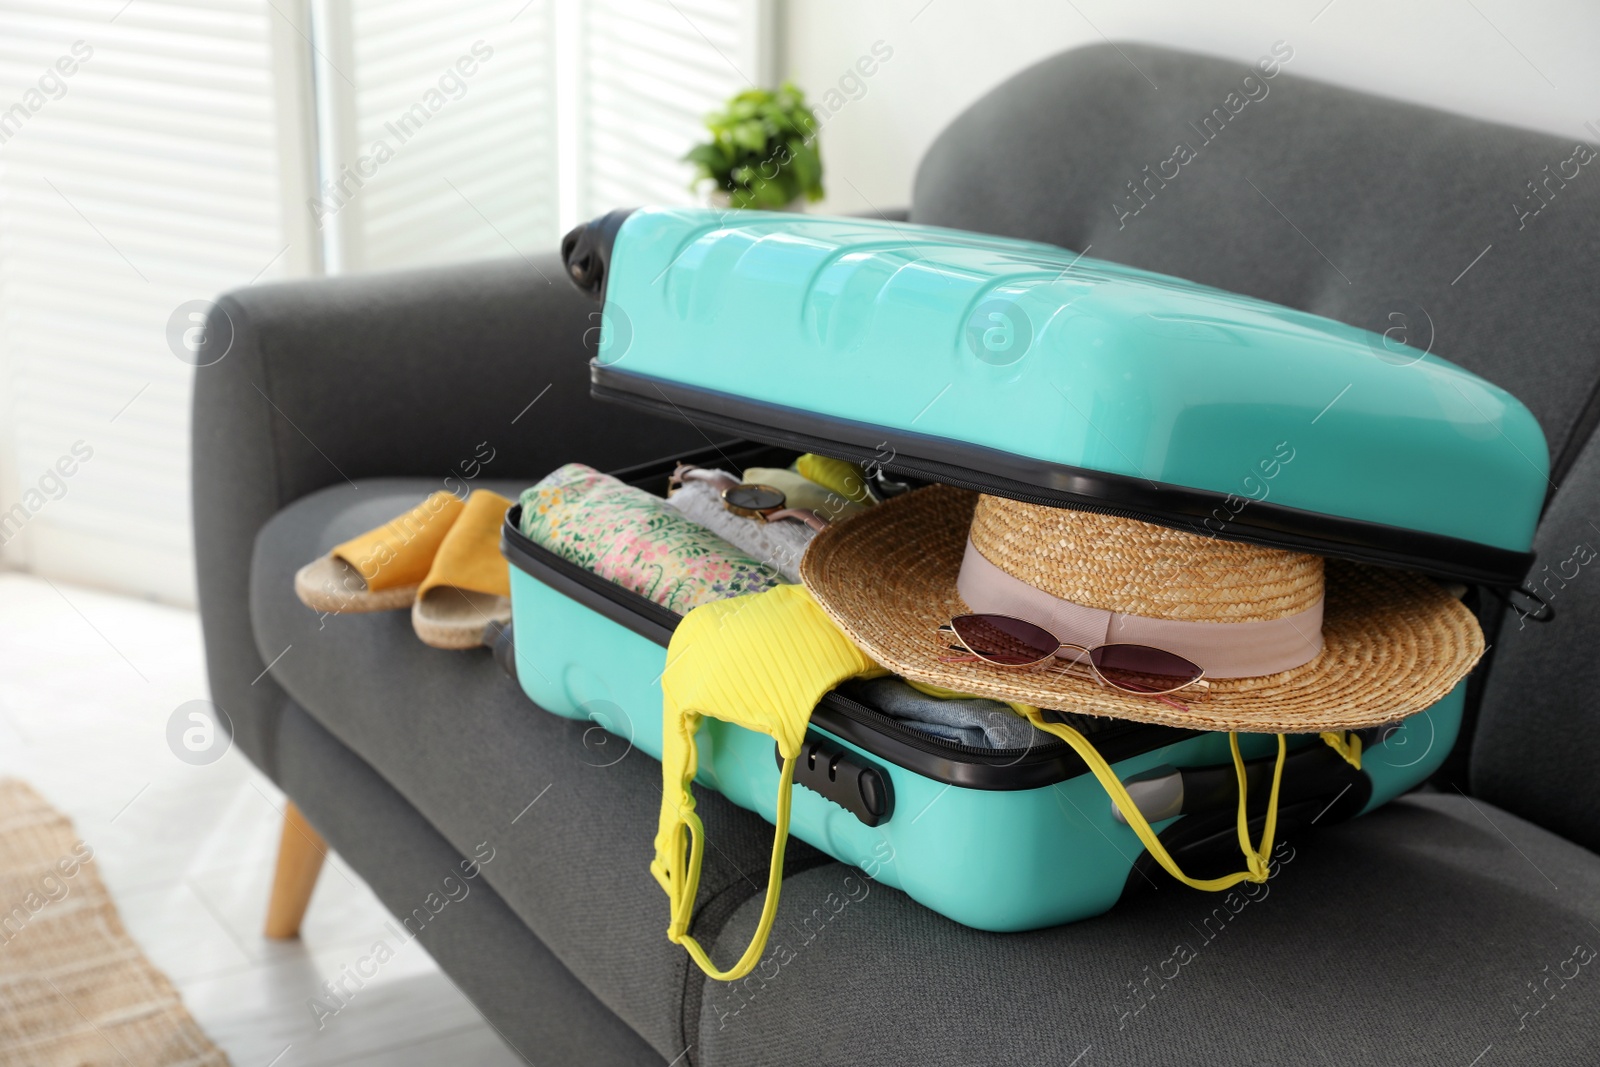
(637, 540)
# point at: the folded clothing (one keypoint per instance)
(779, 544)
(972, 721)
(636, 540)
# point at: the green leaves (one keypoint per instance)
(763, 151)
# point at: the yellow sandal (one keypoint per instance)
(382, 569)
(468, 586)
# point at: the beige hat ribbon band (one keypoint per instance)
(1223, 649)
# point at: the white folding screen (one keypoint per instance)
(140, 168)
(438, 131)
(155, 153)
(648, 72)
(456, 132)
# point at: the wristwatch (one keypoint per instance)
(748, 499)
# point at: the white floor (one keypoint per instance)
(88, 682)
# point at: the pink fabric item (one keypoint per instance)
(1223, 649)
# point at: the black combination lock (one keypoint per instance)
(845, 778)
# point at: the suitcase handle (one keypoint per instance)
(586, 251)
(839, 774)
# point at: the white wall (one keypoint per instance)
(1530, 63)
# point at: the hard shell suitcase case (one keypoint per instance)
(1026, 371)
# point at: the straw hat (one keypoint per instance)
(1390, 643)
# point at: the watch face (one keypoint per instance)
(754, 497)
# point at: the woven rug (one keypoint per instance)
(74, 988)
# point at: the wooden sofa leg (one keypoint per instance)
(301, 851)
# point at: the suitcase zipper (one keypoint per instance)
(1046, 763)
(1179, 508)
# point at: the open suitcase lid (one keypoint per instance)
(1024, 370)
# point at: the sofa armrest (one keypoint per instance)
(401, 373)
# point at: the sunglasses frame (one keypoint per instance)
(1086, 661)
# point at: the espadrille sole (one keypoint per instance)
(453, 618)
(330, 584)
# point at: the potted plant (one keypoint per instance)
(762, 152)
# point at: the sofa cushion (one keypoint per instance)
(1426, 932)
(572, 826)
(1538, 740)
(1431, 927)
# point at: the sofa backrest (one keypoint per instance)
(1481, 240)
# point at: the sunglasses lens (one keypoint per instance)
(1003, 640)
(1142, 669)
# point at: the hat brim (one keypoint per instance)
(1393, 643)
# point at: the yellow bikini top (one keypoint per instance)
(763, 662)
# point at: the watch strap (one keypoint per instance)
(805, 515)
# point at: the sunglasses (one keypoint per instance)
(1006, 641)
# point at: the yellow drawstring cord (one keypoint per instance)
(1348, 745)
(1256, 865)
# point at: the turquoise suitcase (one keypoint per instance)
(1023, 370)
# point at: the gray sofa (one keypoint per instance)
(1451, 927)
